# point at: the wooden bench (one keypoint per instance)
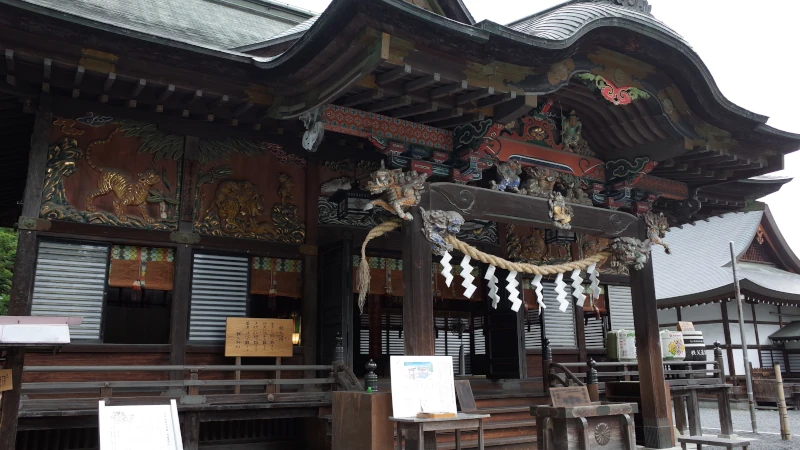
(713, 441)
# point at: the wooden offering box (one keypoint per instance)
(600, 426)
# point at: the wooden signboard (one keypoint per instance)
(685, 326)
(569, 397)
(5, 380)
(422, 384)
(258, 337)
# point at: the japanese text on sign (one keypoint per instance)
(258, 337)
(5, 380)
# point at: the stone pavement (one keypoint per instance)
(768, 421)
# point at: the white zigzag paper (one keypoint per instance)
(492, 285)
(562, 294)
(594, 279)
(577, 289)
(447, 269)
(513, 292)
(466, 274)
(537, 283)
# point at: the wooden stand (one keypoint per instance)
(361, 421)
(421, 433)
(606, 426)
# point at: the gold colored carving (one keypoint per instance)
(560, 72)
(528, 249)
(541, 181)
(66, 127)
(560, 211)
(128, 191)
(238, 205)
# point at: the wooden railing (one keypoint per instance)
(192, 384)
(590, 373)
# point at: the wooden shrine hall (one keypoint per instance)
(389, 172)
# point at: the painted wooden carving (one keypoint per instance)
(109, 172)
(399, 190)
(622, 95)
(236, 199)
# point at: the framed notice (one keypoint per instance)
(685, 326)
(5, 380)
(151, 427)
(570, 397)
(246, 336)
(422, 384)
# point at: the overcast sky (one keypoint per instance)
(750, 47)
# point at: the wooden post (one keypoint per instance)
(237, 376)
(25, 268)
(418, 333)
(547, 358)
(655, 404)
(190, 430)
(786, 433)
(580, 327)
(310, 251)
(374, 307)
(591, 381)
(720, 361)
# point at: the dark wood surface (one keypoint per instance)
(655, 403)
(361, 421)
(179, 314)
(190, 430)
(486, 204)
(309, 310)
(418, 331)
(37, 159)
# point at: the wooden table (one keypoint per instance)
(421, 433)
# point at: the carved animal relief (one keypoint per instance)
(399, 190)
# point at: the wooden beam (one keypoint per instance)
(48, 70)
(421, 83)
(76, 82)
(440, 115)
(10, 78)
(418, 332)
(450, 89)
(415, 110)
(163, 97)
(363, 97)
(198, 94)
(514, 109)
(496, 100)
(474, 95)
(110, 79)
(655, 403)
(461, 120)
(137, 89)
(392, 103)
(393, 75)
(243, 108)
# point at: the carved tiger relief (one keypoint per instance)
(128, 190)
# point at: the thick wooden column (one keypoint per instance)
(310, 308)
(655, 403)
(182, 278)
(25, 268)
(726, 329)
(580, 328)
(375, 309)
(418, 332)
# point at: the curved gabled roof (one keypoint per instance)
(568, 19)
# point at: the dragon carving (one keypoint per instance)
(541, 181)
(399, 190)
(629, 252)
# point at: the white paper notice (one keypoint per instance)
(151, 427)
(422, 384)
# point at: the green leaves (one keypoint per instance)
(161, 145)
(8, 255)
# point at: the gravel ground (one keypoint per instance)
(769, 437)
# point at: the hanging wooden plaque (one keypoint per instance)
(5, 380)
(685, 326)
(258, 337)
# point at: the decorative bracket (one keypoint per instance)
(315, 129)
(184, 238)
(33, 224)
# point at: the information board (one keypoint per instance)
(5, 380)
(570, 397)
(422, 384)
(258, 337)
(151, 427)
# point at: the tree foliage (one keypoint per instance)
(8, 254)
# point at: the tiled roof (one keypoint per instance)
(789, 333)
(296, 32)
(220, 24)
(700, 259)
(569, 19)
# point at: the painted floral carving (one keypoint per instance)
(560, 72)
(617, 95)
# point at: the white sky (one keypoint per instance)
(749, 47)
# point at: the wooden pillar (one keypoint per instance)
(418, 333)
(182, 278)
(375, 309)
(726, 328)
(657, 425)
(190, 430)
(580, 328)
(310, 307)
(25, 268)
